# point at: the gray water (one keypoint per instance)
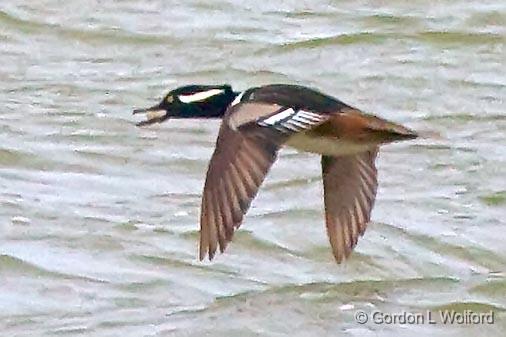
(99, 218)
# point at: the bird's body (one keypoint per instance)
(261, 120)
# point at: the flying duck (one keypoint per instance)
(255, 125)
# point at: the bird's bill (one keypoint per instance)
(154, 114)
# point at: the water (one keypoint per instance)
(98, 218)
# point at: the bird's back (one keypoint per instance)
(296, 96)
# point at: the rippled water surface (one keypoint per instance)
(98, 218)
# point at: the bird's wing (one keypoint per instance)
(349, 186)
(237, 167)
(283, 121)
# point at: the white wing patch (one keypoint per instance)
(278, 117)
(290, 120)
(199, 96)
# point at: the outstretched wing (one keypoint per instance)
(349, 185)
(237, 168)
(249, 139)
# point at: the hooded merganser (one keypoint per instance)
(256, 124)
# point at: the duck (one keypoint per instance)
(256, 124)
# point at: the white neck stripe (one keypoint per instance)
(237, 99)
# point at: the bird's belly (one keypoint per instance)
(326, 145)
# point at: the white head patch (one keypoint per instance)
(199, 96)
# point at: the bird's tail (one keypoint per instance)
(369, 128)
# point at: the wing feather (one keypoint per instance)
(237, 168)
(350, 185)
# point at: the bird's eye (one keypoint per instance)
(169, 99)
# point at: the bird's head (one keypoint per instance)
(190, 101)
